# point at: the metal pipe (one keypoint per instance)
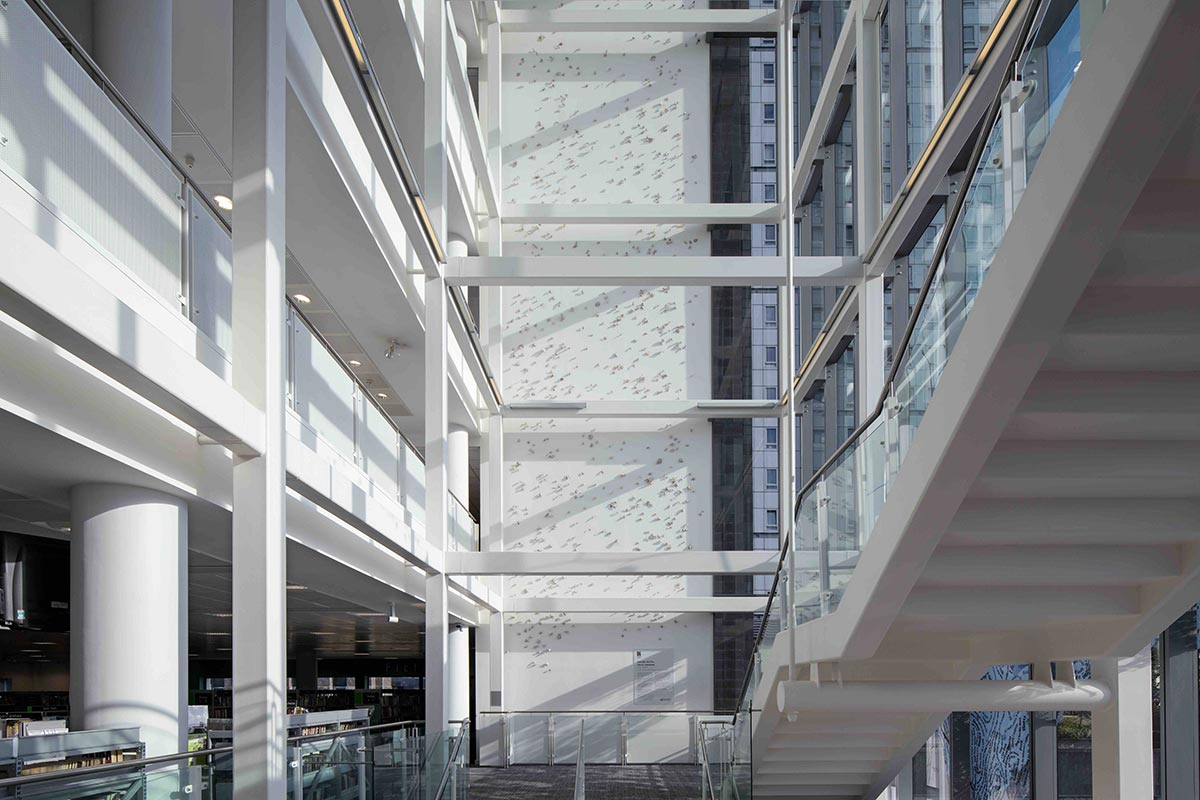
(942, 697)
(580, 771)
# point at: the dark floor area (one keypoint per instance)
(637, 782)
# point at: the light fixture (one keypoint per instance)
(301, 298)
(392, 613)
(295, 587)
(390, 352)
(354, 362)
(382, 395)
(223, 201)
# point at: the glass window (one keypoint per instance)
(768, 154)
(772, 478)
(771, 358)
(768, 73)
(772, 438)
(769, 312)
(768, 192)
(768, 113)
(772, 519)
(770, 236)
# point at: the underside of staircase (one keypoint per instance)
(1049, 507)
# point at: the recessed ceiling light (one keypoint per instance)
(382, 395)
(354, 362)
(44, 644)
(295, 587)
(217, 633)
(223, 201)
(302, 298)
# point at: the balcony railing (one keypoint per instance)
(69, 139)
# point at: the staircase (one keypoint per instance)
(1049, 508)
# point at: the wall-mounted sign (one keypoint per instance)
(654, 677)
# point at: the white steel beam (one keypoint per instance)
(433, 185)
(259, 527)
(898, 697)
(1123, 733)
(827, 98)
(634, 605)
(644, 409)
(641, 213)
(649, 271)
(436, 497)
(473, 131)
(681, 562)
(640, 21)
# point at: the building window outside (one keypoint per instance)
(768, 73)
(768, 154)
(769, 313)
(772, 478)
(768, 192)
(772, 438)
(771, 358)
(772, 519)
(768, 113)
(770, 236)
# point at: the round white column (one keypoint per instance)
(129, 613)
(131, 41)
(458, 464)
(458, 673)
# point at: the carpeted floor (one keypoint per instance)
(637, 782)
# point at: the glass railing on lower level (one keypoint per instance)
(386, 762)
(609, 737)
(838, 507)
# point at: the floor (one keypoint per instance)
(642, 781)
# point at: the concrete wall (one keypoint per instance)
(606, 119)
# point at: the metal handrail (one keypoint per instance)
(707, 772)
(953, 218)
(452, 760)
(580, 768)
(139, 763)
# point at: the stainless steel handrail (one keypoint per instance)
(452, 760)
(580, 768)
(953, 218)
(706, 771)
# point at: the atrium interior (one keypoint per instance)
(670, 399)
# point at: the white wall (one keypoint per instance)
(606, 119)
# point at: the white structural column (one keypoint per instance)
(1122, 734)
(458, 673)
(489, 637)
(868, 203)
(259, 543)
(458, 463)
(129, 613)
(786, 355)
(433, 187)
(436, 498)
(131, 41)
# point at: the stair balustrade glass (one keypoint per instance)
(837, 509)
